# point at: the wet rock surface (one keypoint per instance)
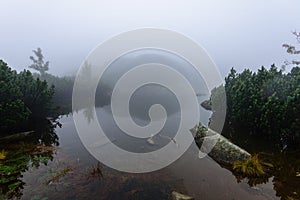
(206, 105)
(179, 196)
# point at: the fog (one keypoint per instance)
(235, 33)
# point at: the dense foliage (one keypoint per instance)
(264, 104)
(62, 97)
(23, 99)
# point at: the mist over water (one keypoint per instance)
(146, 96)
(51, 140)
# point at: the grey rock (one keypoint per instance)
(206, 105)
(179, 196)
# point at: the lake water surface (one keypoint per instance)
(74, 174)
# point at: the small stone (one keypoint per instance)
(150, 141)
(179, 196)
(255, 188)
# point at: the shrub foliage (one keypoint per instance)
(264, 104)
(23, 99)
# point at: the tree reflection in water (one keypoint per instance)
(285, 174)
(38, 149)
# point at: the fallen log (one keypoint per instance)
(16, 136)
(217, 146)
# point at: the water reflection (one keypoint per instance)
(285, 174)
(87, 179)
(283, 171)
(37, 149)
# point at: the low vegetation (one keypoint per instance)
(24, 100)
(263, 105)
(252, 167)
(3, 154)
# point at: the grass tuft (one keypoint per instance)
(252, 167)
(3, 154)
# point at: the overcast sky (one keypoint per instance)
(236, 33)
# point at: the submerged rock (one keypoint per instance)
(206, 105)
(179, 196)
(150, 141)
(217, 146)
